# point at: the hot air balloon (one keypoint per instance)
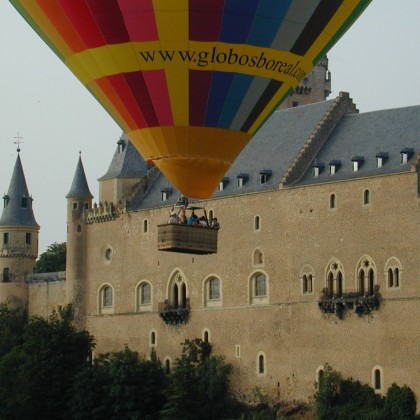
(190, 81)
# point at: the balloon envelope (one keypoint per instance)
(190, 81)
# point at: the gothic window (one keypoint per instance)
(178, 292)
(393, 273)
(366, 276)
(307, 279)
(258, 288)
(212, 292)
(335, 278)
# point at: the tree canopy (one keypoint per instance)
(53, 259)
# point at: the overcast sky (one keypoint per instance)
(377, 61)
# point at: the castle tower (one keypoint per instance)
(316, 87)
(79, 200)
(18, 238)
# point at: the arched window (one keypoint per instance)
(378, 379)
(259, 288)
(330, 284)
(261, 364)
(257, 223)
(178, 291)
(145, 294)
(371, 279)
(107, 298)
(145, 226)
(390, 278)
(206, 336)
(339, 284)
(258, 257)
(335, 278)
(377, 375)
(79, 228)
(153, 338)
(212, 292)
(307, 279)
(361, 282)
(167, 366)
(333, 201)
(366, 276)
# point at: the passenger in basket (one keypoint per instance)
(182, 216)
(173, 218)
(193, 219)
(215, 224)
(202, 221)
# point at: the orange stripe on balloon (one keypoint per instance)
(55, 14)
(126, 122)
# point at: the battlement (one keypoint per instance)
(104, 212)
(45, 277)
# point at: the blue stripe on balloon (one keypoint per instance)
(267, 22)
(237, 91)
(219, 89)
(237, 20)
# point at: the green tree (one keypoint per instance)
(400, 403)
(121, 385)
(53, 259)
(12, 323)
(37, 374)
(199, 384)
(327, 391)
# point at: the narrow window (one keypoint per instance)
(333, 201)
(355, 165)
(362, 282)
(339, 284)
(379, 162)
(371, 277)
(261, 367)
(75, 205)
(332, 169)
(240, 182)
(309, 284)
(397, 277)
(6, 274)
(377, 380)
(320, 375)
(257, 225)
(152, 338)
(315, 171)
(390, 278)
(164, 196)
(238, 351)
(167, 366)
(305, 284)
(330, 285)
(263, 178)
(145, 227)
(28, 238)
(5, 238)
(206, 336)
(214, 289)
(221, 186)
(366, 197)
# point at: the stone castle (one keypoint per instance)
(317, 257)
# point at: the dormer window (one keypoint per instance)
(165, 194)
(317, 169)
(24, 202)
(75, 205)
(381, 158)
(334, 166)
(6, 199)
(406, 154)
(222, 184)
(242, 179)
(121, 145)
(357, 162)
(265, 175)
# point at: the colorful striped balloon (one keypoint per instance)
(190, 81)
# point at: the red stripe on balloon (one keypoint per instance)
(159, 94)
(125, 93)
(83, 22)
(109, 91)
(109, 19)
(205, 19)
(199, 93)
(139, 91)
(56, 15)
(139, 18)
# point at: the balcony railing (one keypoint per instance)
(360, 302)
(174, 314)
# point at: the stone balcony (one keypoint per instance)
(174, 314)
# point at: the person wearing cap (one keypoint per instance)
(173, 218)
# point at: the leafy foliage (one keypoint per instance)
(199, 384)
(400, 403)
(53, 259)
(37, 374)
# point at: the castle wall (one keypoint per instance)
(298, 231)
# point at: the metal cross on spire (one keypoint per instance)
(18, 141)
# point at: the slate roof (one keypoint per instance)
(79, 186)
(126, 163)
(367, 135)
(279, 141)
(17, 212)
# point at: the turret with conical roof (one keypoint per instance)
(19, 239)
(79, 200)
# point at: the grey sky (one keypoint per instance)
(377, 61)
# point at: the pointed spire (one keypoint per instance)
(79, 186)
(17, 202)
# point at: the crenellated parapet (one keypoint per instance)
(104, 212)
(342, 105)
